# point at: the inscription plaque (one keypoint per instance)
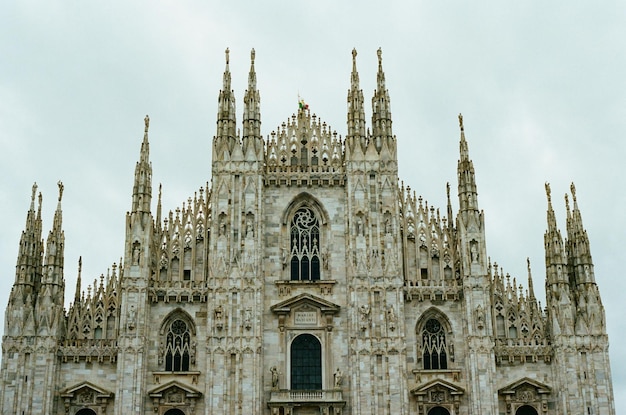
(305, 317)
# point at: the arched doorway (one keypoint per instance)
(526, 410)
(306, 363)
(438, 410)
(86, 411)
(174, 412)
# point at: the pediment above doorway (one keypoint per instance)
(85, 395)
(174, 395)
(526, 393)
(305, 311)
(438, 393)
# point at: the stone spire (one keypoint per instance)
(553, 241)
(19, 312)
(468, 195)
(252, 141)
(78, 281)
(142, 188)
(50, 296)
(356, 112)
(531, 290)
(558, 293)
(381, 109)
(56, 239)
(577, 245)
(30, 255)
(226, 121)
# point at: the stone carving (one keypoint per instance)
(86, 396)
(480, 317)
(391, 317)
(274, 372)
(364, 312)
(474, 251)
(437, 396)
(131, 318)
(247, 318)
(219, 317)
(338, 376)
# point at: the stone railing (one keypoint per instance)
(311, 396)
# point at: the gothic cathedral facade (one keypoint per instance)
(305, 280)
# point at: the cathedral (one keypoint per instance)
(304, 279)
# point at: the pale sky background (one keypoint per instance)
(541, 86)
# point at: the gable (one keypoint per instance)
(525, 384)
(438, 384)
(305, 301)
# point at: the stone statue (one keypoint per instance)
(274, 372)
(338, 378)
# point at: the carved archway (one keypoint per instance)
(438, 410)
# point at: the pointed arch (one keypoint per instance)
(435, 347)
(305, 220)
(176, 349)
(308, 200)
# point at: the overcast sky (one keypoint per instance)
(541, 86)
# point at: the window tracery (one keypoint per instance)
(305, 246)
(178, 347)
(434, 346)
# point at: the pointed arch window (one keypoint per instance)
(305, 246)
(434, 345)
(177, 349)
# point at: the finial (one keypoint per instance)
(573, 189)
(227, 56)
(448, 189)
(528, 264)
(252, 55)
(32, 197)
(567, 203)
(354, 54)
(60, 184)
(379, 52)
(461, 121)
(548, 192)
(146, 121)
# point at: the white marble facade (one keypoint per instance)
(305, 281)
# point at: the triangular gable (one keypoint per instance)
(189, 392)
(99, 392)
(513, 387)
(286, 306)
(438, 383)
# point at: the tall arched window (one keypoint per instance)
(177, 347)
(305, 243)
(435, 349)
(306, 363)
